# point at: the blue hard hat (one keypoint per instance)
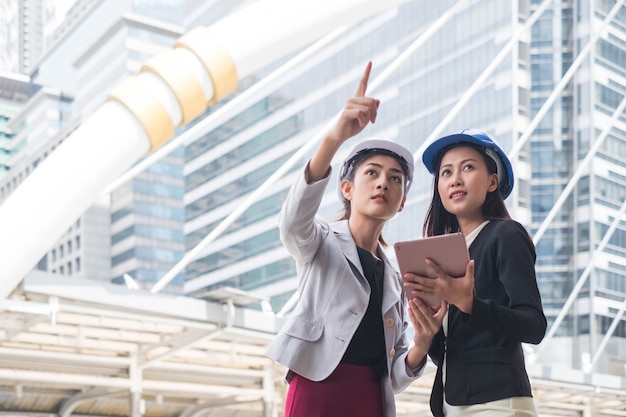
(376, 146)
(481, 140)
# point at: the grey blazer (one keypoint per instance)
(333, 297)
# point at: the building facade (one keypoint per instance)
(136, 229)
(578, 155)
(14, 93)
(552, 90)
(534, 74)
(224, 166)
(24, 32)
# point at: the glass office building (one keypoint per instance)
(9, 44)
(26, 28)
(225, 165)
(136, 230)
(14, 92)
(483, 68)
(550, 91)
(578, 155)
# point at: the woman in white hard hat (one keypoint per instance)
(496, 306)
(345, 343)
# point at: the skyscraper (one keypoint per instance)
(226, 164)
(578, 155)
(14, 93)
(9, 45)
(136, 229)
(531, 73)
(29, 27)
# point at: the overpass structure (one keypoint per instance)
(88, 349)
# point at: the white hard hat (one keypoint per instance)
(381, 147)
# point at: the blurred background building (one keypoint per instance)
(546, 78)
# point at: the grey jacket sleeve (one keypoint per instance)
(299, 232)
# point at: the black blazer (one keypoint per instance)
(484, 358)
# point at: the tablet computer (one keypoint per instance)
(448, 251)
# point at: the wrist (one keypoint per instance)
(333, 140)
(466, 305)
(415, 359)
(416, 355)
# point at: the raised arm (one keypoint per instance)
(356, 114)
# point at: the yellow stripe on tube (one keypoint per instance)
(147, 108)
(181, 80)
(217, 61)
(141, 114)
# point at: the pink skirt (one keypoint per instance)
(351, 390)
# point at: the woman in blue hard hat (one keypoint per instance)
(345, 344)
(496, 306)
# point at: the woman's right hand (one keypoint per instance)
(357, 112)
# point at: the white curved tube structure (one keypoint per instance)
(141, 114)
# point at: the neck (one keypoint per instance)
(468, 225)
(366, 233)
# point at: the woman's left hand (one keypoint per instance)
(426, 324)
(457, 291)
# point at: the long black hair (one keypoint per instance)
(439, 221)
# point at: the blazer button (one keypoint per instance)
(392, 352)
(389, 322)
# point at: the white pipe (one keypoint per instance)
(608, 335)
(263, 31)
(13, 376)
(221, 115)
(63, 186)
(51, 356)
(143, 112)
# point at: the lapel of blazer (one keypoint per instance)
(391, 287)
(348, 247)
(392, 290)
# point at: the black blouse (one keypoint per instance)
(367, 346)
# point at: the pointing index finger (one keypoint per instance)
(360, 92)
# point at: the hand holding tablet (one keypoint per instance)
(448, 251)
